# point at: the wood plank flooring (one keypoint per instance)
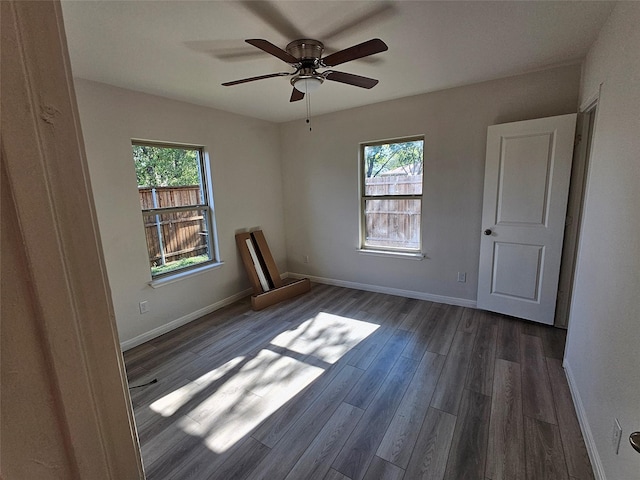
(341, 384)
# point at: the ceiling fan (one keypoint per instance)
(305, 55)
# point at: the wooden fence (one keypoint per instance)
(393, 223)
(178, 235)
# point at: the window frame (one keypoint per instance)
(377, 249)
(207, 207)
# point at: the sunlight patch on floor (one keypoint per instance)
(232, 400)
(171, 403)
(258, 389)
(325, 336)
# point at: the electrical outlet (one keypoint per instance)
(144, 306)
(462, 277)
(616, 436)
(306, 259)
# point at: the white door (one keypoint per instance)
(527, 172)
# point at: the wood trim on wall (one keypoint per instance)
(47, 175)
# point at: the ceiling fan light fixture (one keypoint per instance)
(307, 84)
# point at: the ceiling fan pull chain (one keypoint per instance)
(308, 98)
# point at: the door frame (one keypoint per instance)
(44, 160)
(587, 118)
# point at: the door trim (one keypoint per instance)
(43, 156)
(577, 192)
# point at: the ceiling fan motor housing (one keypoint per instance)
(309, 52)
(306, 49)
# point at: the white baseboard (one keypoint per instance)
(594, 456)
(462, 302)
(167, 327)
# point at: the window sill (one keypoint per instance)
(162, 281)
(388, 253)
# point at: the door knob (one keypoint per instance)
(488, 231)
(634, 440)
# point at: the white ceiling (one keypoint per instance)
(178, 49)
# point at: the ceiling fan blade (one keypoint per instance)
(296, 95)
(270, 14)
(357, 51)
(272, 49)
(252, 79)
(351, 79)
(371, 60)
(376, 12)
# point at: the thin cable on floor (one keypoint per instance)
(155, 380)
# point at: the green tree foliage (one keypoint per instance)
(405, 157)
(166, 166)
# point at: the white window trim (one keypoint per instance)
(386, 251)
(390, 253)
(208, 207)
(183, 274)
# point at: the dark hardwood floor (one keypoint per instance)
(342, 384)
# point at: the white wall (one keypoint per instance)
(245, 164)
(320, 172)
(603, 342)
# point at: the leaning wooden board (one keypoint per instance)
(268, 287)
(241, 239)
(270, 264)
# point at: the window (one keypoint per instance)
(391, 196)
(176, 206)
